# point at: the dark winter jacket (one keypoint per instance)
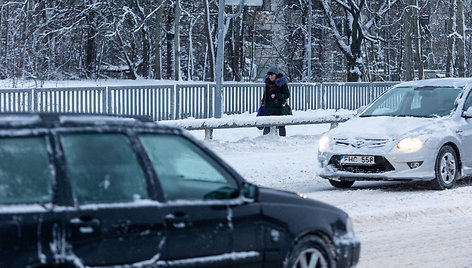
(280, 88)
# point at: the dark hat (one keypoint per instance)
(273, 69)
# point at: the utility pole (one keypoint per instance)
(220, 49)
(219, 62)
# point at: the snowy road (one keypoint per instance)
(399, 224)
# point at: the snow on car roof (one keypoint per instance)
(94, 119)
(19, 120)
(441, 82)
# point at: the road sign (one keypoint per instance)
(246, 2)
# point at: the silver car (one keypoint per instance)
(419, 130)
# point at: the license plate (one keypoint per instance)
(357, 159)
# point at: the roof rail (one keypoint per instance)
(54, 116)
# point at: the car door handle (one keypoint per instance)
(178, 220)
(85, 224)
(459, 132)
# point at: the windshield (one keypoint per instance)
(417, 102)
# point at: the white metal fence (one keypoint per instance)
(167, 102)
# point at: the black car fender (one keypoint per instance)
(289, 217)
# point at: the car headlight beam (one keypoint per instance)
(410, 144)
(323, 144)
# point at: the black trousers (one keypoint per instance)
(282, 131)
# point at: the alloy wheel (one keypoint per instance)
(311, 258)
(448, 168)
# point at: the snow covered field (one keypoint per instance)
(399, 224)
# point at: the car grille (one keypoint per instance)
(361, 143)
(381, 165)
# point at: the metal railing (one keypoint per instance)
(178, 101)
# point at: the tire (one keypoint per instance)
(446, 169)
(341, 184)
(310, 251)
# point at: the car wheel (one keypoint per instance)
(446, 169)
(341, 184)
(310, 251)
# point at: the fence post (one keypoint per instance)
(35, 100)
(107, 100)
(307, 96)
(174, 102)
(370, 93)
(30, 100)
(323, 96)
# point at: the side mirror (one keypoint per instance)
(250, 191)
(361, 109)
(467, 113)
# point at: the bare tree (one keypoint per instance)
(158, 41)
(417, 37)
(408, 59)
(352, 40)
(451, 40)
(209, 39)
(177, 75)
(358, 23)
(460, 38)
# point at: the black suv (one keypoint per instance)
(96, 190)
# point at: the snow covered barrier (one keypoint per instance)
(332, 117)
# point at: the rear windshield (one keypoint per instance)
(25, 174)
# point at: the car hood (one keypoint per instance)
(267, 195)
(382, 127)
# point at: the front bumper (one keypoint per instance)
(348, 251)
(391, 165)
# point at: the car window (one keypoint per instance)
(25, 174)
(468, 102)
(103, 168)
(419, 101)
(390, 103)
(185, 171)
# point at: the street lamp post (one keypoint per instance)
(219, 62)
(220, 47)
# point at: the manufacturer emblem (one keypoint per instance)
(358, 144)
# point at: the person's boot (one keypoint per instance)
(266, 131)
(282, 131)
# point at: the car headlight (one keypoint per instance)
(349, 226)
(410, 144)
(323, 143)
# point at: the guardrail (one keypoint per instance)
(262, 121)
(178, 101)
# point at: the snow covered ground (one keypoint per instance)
(399, 224)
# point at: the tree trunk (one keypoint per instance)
(408, 59)
(460, 38)
(253, 47)
(450, 41)
(190, 66)
(158, 42)
(91, 47)
(3, 42)
(209, 38)
(170, 45)
(418, 46)
(355, 63)
(145, 55)
(177, 40)
(237, 45)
